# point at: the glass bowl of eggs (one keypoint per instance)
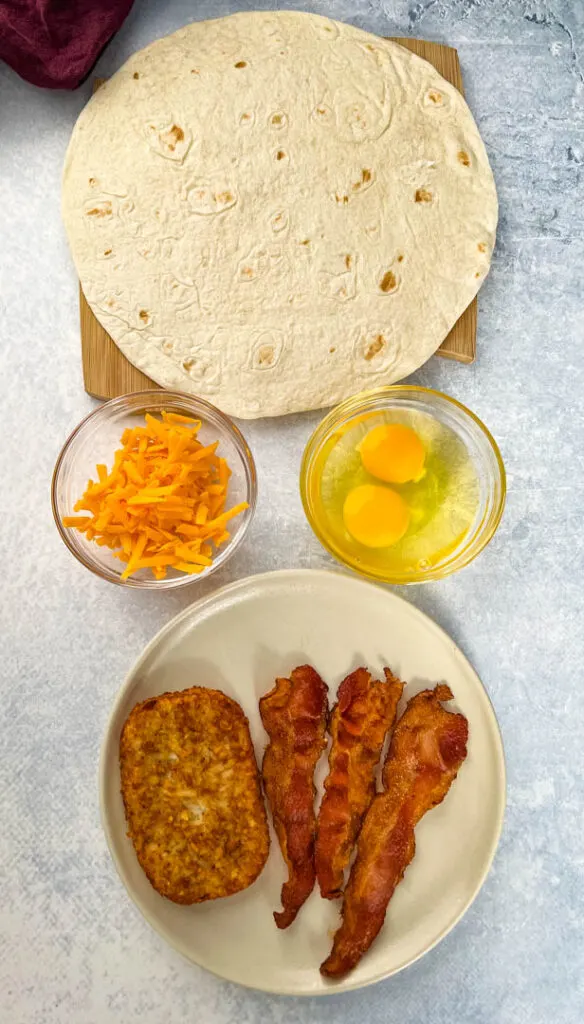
(403, 484)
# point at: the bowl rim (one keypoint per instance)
(251, 476)
(339, 415)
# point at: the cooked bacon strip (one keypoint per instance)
(294, 714)
(365, 710)
(426, 751)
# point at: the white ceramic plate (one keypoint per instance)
(238, 640)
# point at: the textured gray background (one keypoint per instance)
(73, 950)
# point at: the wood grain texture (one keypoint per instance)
(460, 343)
(106, 371)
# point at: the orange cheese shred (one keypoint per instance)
(162, 504)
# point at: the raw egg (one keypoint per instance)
(375, 516)
(394, 453)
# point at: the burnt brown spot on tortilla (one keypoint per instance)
(241, 64)
(375, 347)
(266, 355)
(348, 261)
(423, 196)
(364, 180)
(482, 247)
(104, 210)
(333, 349)
(388, 282)
(463, 158)
(107, 252)
(280, 155)
(135, 75)
(177, 135)
(400, 258)
(144, 316)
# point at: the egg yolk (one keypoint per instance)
(375, 516)
(394, 453)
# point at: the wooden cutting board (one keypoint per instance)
(107, 373)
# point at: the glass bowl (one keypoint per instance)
(96, 439)
(404, 400)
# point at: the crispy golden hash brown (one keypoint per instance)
(192, 795)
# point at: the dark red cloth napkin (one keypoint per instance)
(55, 43)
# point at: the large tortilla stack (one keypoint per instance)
(274, 211)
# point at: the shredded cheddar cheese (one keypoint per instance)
(162, 505)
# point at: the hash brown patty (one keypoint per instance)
(192, 795)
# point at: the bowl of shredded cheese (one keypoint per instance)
(154, 490)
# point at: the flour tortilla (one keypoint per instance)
(275, 210)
